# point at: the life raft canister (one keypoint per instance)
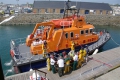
(31, 36)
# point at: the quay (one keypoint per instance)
(102, 66)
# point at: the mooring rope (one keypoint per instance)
(115, 41)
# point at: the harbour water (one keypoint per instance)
(13, 32)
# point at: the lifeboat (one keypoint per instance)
(55, 36)
(58, 33)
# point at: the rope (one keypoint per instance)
(115, 41)
(102, 62)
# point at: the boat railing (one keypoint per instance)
(105, 37)
(16, 42)
(100, 29)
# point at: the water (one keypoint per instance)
(13, 32)
(6, 34)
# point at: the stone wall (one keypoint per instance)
(35, 18)
(103, 20)
(1, 18)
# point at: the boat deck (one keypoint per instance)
(24, 56)
(98, 65)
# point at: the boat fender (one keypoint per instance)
(13, 43)
(95, 52)
(12, 53)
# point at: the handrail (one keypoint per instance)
(40, 71)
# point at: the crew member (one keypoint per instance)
(75, 59)
(80, 55)
(64, 54)
(44, 48)
(84, 51)
(52, 63)
(60, 63)
(83, 54)
(71, 54)
(72, 47)
(67, 64)
(48, 63)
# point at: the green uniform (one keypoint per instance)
(67, 65)
(52, 63)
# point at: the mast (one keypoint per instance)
(69, 8)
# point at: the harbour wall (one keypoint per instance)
(21, 19)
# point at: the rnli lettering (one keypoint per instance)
(74, 38)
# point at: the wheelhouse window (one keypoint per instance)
(86, 31)
(66, 35)
(91, 30)
(71, 34)
(81, 32)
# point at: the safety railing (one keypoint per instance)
(16, 42)
(101, 41)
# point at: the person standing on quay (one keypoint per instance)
(60, 63)
(52, 63)
(75, 59)
(67, 64)
(72, 47)
(48, 63)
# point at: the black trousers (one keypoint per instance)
(61, 71)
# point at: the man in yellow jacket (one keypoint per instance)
(44, 48)
(83, 53)
(48, 63)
